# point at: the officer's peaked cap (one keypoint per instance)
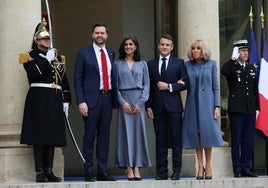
(241, 43)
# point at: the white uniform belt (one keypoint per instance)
(52, 85)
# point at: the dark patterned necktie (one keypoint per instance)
(163, 69)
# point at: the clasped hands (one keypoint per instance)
(128, 110)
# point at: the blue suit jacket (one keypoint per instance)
(87, 76)
(171, 101)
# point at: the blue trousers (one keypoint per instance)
(97, 124)
(242, 133)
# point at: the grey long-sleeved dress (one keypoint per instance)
(131, 141)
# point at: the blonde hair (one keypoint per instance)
(205, 52)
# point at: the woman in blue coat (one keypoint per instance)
(201, 130)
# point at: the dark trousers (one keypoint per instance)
(97, 123)
(162, 123)
(242, 133)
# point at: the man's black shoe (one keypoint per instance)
(161, 176)
(237, 175)
(89, 178)
(105, 177)
(249, 174)
(175, 176)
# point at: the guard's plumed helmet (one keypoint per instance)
(41, 31)
(241, 43)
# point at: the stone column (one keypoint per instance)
(199, 19)
(18, 20)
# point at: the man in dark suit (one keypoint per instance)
(93, 85)
(167, 78)
(243, 102)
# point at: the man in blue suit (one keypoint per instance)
(168, 77)
(93, 85)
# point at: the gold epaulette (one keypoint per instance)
(25, 57)
(63, 59)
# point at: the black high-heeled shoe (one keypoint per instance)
(203, 175)
(130, 178)
(137, 178)
(208, 177)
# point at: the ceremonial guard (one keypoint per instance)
(47, 99)
(243, 102)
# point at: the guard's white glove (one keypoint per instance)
(235, 53)
(51, 54)
(257, 113)
(66, 108)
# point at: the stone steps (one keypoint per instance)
(260, 182)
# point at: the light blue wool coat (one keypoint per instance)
(202, 107)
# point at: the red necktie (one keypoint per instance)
(104, 71)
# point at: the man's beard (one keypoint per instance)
(100, 43)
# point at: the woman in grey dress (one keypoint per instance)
(201, 130)
(132, 92)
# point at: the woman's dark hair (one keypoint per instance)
(122, 53)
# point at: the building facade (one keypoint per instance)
(218, 22)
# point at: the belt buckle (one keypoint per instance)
(54, 86)
(104, 92)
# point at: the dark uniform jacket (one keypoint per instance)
(43, 119)
(243, 87)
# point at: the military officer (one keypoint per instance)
(243, 102)
(48, 97)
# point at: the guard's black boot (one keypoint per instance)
(38, 160)
(49, 156)
(41, 177)
(51, 177)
